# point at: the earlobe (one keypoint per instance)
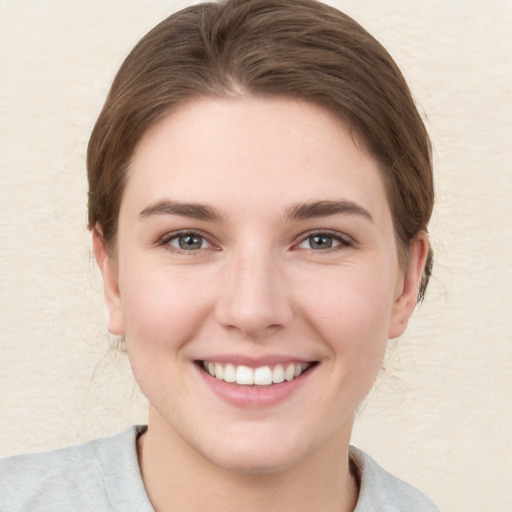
(407, 294)
(110, 283)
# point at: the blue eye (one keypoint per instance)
(324, 241)
(321, 242)
(188, 242)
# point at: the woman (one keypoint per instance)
(260, 186)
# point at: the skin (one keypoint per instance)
(254, 288)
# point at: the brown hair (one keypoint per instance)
(295, 48)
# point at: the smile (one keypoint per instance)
(261, 376)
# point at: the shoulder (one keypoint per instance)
(100, 475)
(380, 491)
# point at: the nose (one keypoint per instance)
(255, 299)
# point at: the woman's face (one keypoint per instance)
(256, 244)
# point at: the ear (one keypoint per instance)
(109, 273)
(406, 294)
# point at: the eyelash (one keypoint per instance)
(340, 241)
(169, 237)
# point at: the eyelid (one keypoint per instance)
(165, 239)
(343, 239)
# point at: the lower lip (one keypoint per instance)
(253, 396)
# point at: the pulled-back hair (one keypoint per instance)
(300, 49)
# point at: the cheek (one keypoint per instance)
(162, 309)
(162, 314)
(352, 313)
(350, 299)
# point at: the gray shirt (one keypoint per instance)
(103, 475)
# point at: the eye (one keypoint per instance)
(187, 241)
(324, 241)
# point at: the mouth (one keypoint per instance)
(262, 376)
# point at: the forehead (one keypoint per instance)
(271, 150)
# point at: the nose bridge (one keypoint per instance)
(254, 298)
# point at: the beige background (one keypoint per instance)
(440, 417)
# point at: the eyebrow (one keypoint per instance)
(313, 209)
(192, 210)
(298, 211)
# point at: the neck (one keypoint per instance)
(177, 477)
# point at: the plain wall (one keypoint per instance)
(440, 416)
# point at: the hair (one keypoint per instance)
(300, 49)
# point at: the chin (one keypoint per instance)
(272, 452)
(253, 461)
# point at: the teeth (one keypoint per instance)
(262, 376)
(229, 373)
(244, 375)
(219, 371)
(278, 374)
(289, 373)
